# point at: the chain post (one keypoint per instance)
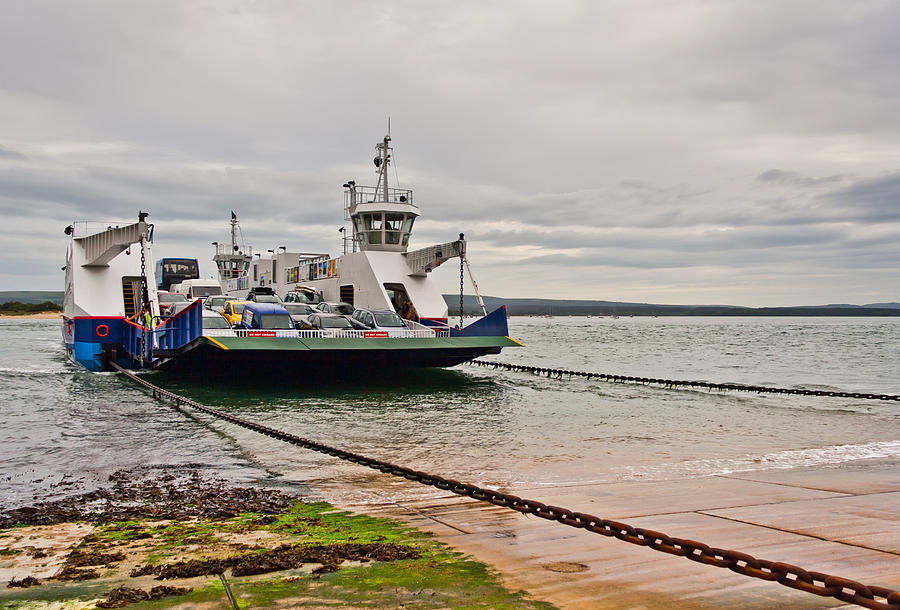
(142, 216)
(462, 260)
(145, 298)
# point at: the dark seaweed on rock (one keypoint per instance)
(122, 596)
(28, 581)
(79, 559)
(291, 556)
(284, 557)
(134, 495)
(76, 574)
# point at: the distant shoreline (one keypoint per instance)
(581, 307)
(41, 315)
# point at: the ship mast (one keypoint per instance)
(382, 217)
(381, 162)
(232, 263)
(234, 222)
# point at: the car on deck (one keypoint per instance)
(304, 294)
(299, 312)
(265, 298)
(200, 289)
(167, 300)
(378, 319)
(215, 303)
(329, 323)
(341, 309)
(233, 310)
(217, 322)
(265, 317)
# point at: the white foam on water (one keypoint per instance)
(26, 371)
(778, 460)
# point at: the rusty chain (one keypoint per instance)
(792, 576)
(462, 260)
(671, 383)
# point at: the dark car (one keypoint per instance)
(327, 322)
(260, 290)
(378, 319)
(266, 298)
(342, 309)
(216, 302)
(299, 312)
(265, 316)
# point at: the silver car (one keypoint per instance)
(378, 319)
(300, 312)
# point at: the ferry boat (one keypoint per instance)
(111, 307)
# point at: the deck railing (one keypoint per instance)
(327, 334)
(372, 194)
(165, 334)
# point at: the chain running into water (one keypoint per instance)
(785, 574)
(672, 383)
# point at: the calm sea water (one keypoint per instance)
(65, 429)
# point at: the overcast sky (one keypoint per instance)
(734, 152)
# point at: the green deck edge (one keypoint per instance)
(380, 343)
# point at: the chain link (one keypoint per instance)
(785, 574)
(145, 295)
(461, 289)
(672, 383)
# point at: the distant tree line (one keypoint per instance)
(15, 307)
(572, 307)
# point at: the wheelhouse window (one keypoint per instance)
(372, 225)
(407, 229)
(393, 226)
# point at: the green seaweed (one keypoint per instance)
(440, 578)
(448, 582)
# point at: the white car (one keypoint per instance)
(213, 321)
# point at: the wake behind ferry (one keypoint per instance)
(112, 310)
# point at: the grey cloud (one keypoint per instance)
(6, 153)
(876, 199)
(780, 176)
(748, 134)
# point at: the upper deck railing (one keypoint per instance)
(243, 250)
(373, 194)
(84, 228)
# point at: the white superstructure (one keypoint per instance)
(107, 263)
(376, 269)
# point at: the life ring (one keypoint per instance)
(102, 330)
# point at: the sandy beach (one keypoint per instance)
(43, 315)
